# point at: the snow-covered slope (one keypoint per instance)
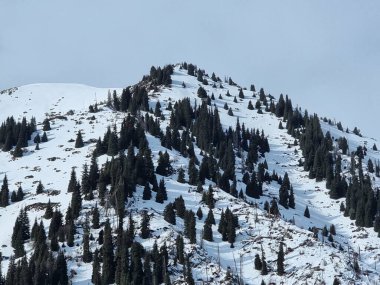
(308, 260)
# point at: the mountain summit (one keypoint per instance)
(182, 178)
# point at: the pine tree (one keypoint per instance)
(210, 217)
(207, 232)
(230, 113)
(250, 106)
(189, 273)
(96, 277)
(79, 140)
(4, 193)
(44, 137)
(76, 203)
(193, 172)
(180, 208)
(181, 175)
(87, 256)
(95, 217)
(190, 230)
(161, 193)
(180, 256)
(108, 272)
(60, 270)
(46, 125)
(73, 182)
(280, 260)
(241, 94)
(49, 211)
(258, 264)
(264, 268)
(169, 214)
(199, 213)
(145, 230)
(147, 193)
(307, 213)
(40, 188)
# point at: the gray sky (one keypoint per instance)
(325, 54)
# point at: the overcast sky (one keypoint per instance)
(324, 54)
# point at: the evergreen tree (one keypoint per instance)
(169, 214)
(307, 213)
(49, 211)
(199, 213)
(147, 193)
(180, 208)
(95, 217)
(181, 175)
(73, 182)
(193, 172)
(190, 230)
(60, 270)
(280, 260)
(4, 193)
(189, 273)
(145, 230)
(180, 256)
(96, 276)
(264, 268)
(40, 188)
(87, 256)
(210, 217)
(46, 125)
(161, 193)
(79, 140)
(258, 264)
(108, 272)
(44, 137)
(207, 232)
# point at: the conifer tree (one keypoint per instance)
(108, 272)
(95, 217)
(210, 217)
(96, 276)
(189, 273)
(264, 268)
(60, 270)
(307, 213)
(4, 193)
(147, 193)
(280, 260)
(46, 125)
(258, 264)
(180, 208)
(49, 211)
(190, 230)
(44, 137)
(181, 175)
(40, 188)
(199, 213)
(79, 140)
(73, 182)
(180, 256)
(145, 230)
(193, 172)
(207, 232)
(169, 214)
(87, 256)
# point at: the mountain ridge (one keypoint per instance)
(253, 228)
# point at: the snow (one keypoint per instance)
(307, 260)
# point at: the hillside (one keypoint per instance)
(252, 139)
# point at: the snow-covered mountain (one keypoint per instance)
(350, 255)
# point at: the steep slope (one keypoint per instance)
(308, 258)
